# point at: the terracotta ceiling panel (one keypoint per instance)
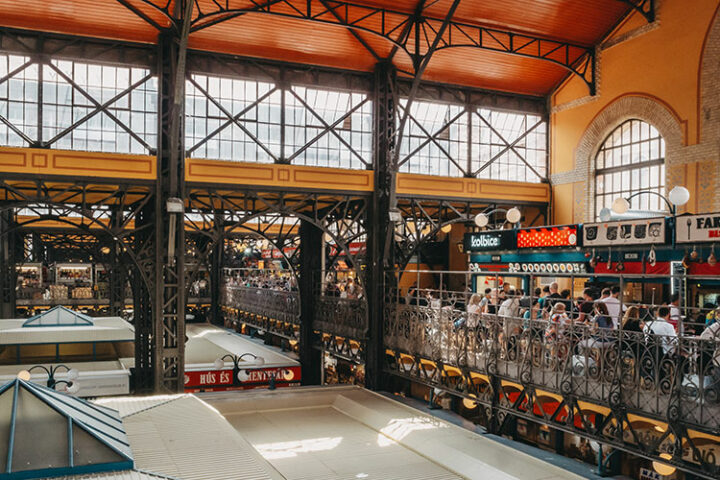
(93, 18)
(290, 40)
(322, 42)
(583, 22)
(494, 71)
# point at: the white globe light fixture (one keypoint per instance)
(243, 375)
(24, 375)
(446, 228)
(259, 361)
(73, 388)
(513, 215)
(219, 363)
(679, 196)
(481, 220)
(620, 205)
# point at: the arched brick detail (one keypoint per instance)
(709, 118)
(626, 108)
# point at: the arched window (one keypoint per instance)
(630, 160)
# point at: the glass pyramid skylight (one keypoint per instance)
(44, 433)
(59, 317)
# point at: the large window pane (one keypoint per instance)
(629, 161)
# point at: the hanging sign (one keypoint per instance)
(549, 267)
(544, 237)
(698, 228)
(641, 231)
(487, 241)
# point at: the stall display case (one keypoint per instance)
(29, 281)
(73, 280)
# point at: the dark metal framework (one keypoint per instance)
(646, 8)
(104, 102)
(464, 133)
(413, 33)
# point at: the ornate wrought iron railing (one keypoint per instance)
(275, 311)
(655, 396)
(341, 317)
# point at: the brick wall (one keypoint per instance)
(694, 163)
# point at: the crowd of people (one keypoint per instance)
(269, 280)
(587, 325)
(348, 288)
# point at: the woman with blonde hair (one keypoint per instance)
(631, 320)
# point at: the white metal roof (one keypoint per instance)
(123, 475)
(104, 329)
(207, 342)
(187, 439)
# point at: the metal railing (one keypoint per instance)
(510, 364)
(276, 311)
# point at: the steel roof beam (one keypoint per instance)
(646, 8)
(397, 27)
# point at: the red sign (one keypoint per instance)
(217, 380)
(354, 247)
(547, 237)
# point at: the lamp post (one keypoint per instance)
(677, 197)
(71, 384)
(239, 374)
(512, 215)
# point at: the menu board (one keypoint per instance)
(640, 231)
(697, 228)
(544, 237)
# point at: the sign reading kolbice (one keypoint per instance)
(490, 241)
(641, 231)
(697, 228)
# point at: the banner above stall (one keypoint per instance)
(698, 228)
(639, 231)
(548, 237)
(490, 241)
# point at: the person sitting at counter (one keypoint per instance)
(587, 307)
(662, 329)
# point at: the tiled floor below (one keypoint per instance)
(323, 444)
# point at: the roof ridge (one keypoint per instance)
(164, 402)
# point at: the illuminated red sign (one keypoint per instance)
(547, 237)
(217, 380)
(354, 247)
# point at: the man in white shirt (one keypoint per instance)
(613, 305)
(663, 330)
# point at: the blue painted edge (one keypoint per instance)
(67, 471)
(13, 419)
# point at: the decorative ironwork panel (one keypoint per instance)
(341, 316)
(274, 310)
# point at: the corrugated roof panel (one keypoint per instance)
(123, 475)
(188, 439)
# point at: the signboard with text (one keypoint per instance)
(698, 228)
(216, 380)
(641, 231)
(490, 241)
(547, 237)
